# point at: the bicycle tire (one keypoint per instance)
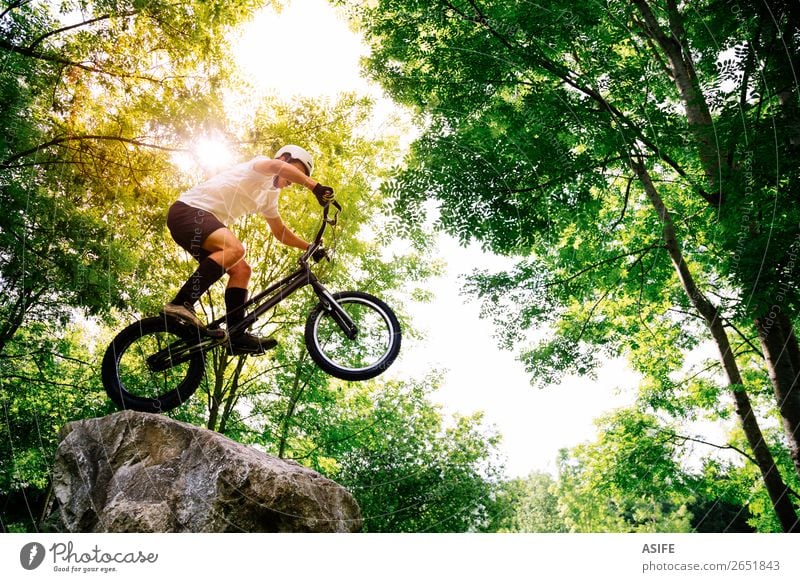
(125, 370)
(339, 356)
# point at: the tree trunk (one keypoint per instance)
(776, 487)
(776, 333)
(232, 397)
(673, 43)
(286, 422)
(775, 327)
(215, 399)
(782, 355)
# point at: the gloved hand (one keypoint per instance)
(324, 194)
(320, 254)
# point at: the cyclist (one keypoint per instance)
(197, 222)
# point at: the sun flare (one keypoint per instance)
(206, 156)
(213, 153)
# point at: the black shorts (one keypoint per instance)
(190, 227)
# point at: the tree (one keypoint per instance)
(580, 136)
(47, 379)
(96, 95)
(633, 477)
(527, 504)
(409, 468)
(628, 480)
(102, 97)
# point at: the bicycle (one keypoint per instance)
(156, 364)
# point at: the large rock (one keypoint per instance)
(138, 472)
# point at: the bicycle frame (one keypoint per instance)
(274, 294)
(263, 302)
(277, 292)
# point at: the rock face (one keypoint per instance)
(138, 472)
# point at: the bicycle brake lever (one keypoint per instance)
(335, 219)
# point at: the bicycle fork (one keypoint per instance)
(332, 307)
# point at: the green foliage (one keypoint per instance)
(409, 468)
(527, 505)
(101, 102)
(537, 119)
(628, 480)
(96, 96)
(528, 150)
(88, 120)
(634, 477)
(47, 379)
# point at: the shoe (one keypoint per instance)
(187, 316)
(247, 343)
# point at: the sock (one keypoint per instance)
(207, 273)
(235, 297)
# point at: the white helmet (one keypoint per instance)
(297, 153)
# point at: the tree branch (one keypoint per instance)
(5, 164)
(600, 165)
(749, 68)
(47, 352)
(640, 311)
(716, 446)
(51, 58)
(639, 253)
(42, 56)
(729, 324)
(711, 366)
(697, 111)
(692, 314)
(724, 447)
(592, 310)
(14, 5)
(342, 439)
(572, 79)
(625, 203)
(43, 381)
(46, 35)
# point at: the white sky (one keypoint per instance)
(534, 423)
(306, 49)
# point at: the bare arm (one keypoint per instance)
(285, 235)
(287, 171)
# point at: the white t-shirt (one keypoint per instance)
(236, 192)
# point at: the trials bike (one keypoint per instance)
(157, 363)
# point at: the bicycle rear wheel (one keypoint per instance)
(365, 356)
(153, 365)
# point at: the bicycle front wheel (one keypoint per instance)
(369, 353)
(153, 365)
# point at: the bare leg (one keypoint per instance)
(228, 252)
(225, 248)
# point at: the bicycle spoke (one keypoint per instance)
(370, 345)
(138, 378)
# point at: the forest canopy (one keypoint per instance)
(637, 160)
